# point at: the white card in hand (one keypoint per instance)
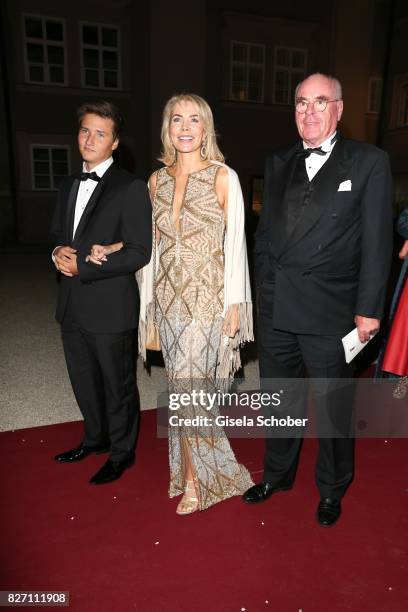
(352, 345)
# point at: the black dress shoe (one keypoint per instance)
(328, 512)
(112, 470)
(262, 491)
(80, 452)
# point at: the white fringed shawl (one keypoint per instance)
(237, 289)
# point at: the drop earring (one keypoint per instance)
(203, 149)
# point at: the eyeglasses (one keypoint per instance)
(318, 105)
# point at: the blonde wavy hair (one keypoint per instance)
(209, 149)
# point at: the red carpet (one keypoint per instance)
(121, 547)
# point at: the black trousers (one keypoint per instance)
(284, 355)
(102, 371)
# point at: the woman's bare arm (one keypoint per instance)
(100, 251)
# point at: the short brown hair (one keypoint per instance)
(104, 109)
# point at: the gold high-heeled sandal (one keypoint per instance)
(189, 502)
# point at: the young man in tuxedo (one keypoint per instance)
(98, 307)
(322, 256)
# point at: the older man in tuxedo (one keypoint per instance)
(98, 306)
(322, 256)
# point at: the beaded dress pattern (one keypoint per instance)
(189, 305)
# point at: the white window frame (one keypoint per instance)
(372, 84)
(247, 64)
(289, 69)
(44, 42)
(100, 49)
(49, 147)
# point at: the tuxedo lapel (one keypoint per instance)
(92, 205)
(72, 197)
(325, 186)
(280, 179)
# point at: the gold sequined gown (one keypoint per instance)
(189, 305)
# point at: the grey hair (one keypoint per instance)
(335, 83)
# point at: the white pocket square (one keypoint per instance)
(345, 186)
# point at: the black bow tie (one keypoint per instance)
(84, 176)
(306, 152)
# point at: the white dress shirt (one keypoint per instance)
(86, 189)
(315, 161)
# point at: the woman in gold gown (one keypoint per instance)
(190, 197)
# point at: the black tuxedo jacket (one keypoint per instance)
(104, 299)
(335, 263)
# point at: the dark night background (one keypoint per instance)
(244, 57)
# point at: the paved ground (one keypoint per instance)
(34, 386)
